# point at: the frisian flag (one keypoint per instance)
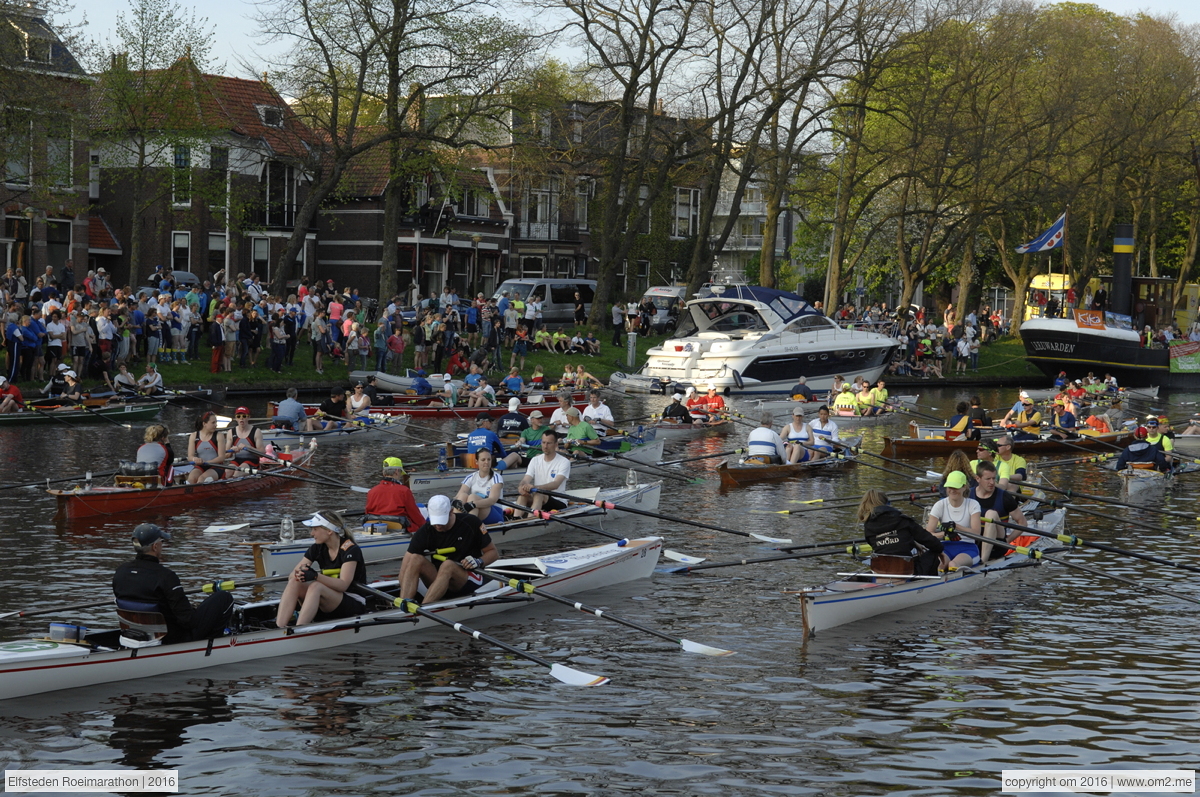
(1050, 239)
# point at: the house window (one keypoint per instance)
(94, 177)
(544, 126)
(476, 203)
(216, 251)
(643, 199)
(576, 125)
(181, 187)
(18, 231)
(565, 264)
(643, 276)
(583, 193)
(271, 116)
(37, 49)
(58, 242)
(279, 194)
(181, 251)
(18, 147)
(433, 276)
(687, 212)
(260, 256)
(218, 159)
(533, 267)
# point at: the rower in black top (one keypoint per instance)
(676, 411)
(145, 584)
(468, 547)
(996, 504)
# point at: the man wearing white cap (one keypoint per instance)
(713, 404)
(58, 383)
(11, 399)
(449, 391)
(470, 549)
(1016, 408)
(512, 423)
(675, 412)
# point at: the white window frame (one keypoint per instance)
(175, 238)
(176, 169)
(265, 274)
(28, 176)
(688, 199)
(93, 175)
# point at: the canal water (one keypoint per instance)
(1052, 668)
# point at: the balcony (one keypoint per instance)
(545, 231)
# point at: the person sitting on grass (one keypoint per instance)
(577, 345)
(542, 340)
(560, 341)
(591, 344)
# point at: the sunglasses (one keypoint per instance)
(241, 416)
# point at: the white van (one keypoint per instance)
(664, 297)
(558, 296)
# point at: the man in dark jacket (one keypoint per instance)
(145, 584)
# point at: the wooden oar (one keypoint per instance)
(1040, 556)
(81, 477)
(559, 671)
(1072, 540)
(521, 585)
(856, 550)
(734, 452)
(549, 516)
(101, 415)
(610, 506)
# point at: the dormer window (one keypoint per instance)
(271, 115)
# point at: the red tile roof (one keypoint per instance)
(100, 237)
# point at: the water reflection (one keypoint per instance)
(145, 726)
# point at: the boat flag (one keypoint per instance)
(1050, 239)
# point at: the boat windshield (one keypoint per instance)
(719, 316)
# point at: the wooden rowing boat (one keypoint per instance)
(432, 408)
(941, 447)
(681, 429)
(36, 666)
(861, 596)
(743, 472)
(142, 494)
(383, 540)
(66, 415)
(449, 480)
(281, 438)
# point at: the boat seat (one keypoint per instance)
(136, 481)
(759, 459)
(1142, 465)
(142, 624)
(888, 565)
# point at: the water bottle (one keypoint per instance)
(287, 530)
(641, 430)
(442, 466)
(631, 479)
(270, 450)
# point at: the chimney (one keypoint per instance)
(1122, 279)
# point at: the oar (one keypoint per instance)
(548, 516)
(861, 549)
(521, 585)
(1069, 444)
(49, 415)
(841, 503)
(189, 396)
(559, 671)
(81, 477)
(1072, 540)
(610, 506)
(1060, 462)
(1038, 555)
(1103, 500)
(302, 469)
(270, 523)
(582, 457)
(255, 472)
(877, 456)
(654, 469)
(101, 415)
(705, 456)
(382, 426)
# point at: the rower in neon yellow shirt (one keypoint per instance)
(846, 401)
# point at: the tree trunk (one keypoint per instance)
(766, 257)
(966, 272)
(286, 267)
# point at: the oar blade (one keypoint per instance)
(574, 677)
(224, 529)
(358, 489)
(682, 557)
(702, 649)
(774, 540)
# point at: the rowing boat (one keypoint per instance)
(1043, 394)
(118, 413)
(109, 398)
(378, 424)
(448, 480)
(941, 447)
(36, 666)
(748, 472)
(680, 429)
(1136, 480)
(433, 408)
(144, 494)
(861, 596)
(785, 407)
(384, 540)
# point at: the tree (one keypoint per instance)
(146, 117)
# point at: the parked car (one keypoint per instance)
(185, 278)
(665, 298)
(558, 296)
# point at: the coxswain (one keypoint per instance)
(330, 414)
(765, 443)
(485, 439)
(675, 412)
(996, 504)
(392, 498)
(892, 533)
(11, 399)
(144, 584)
(470, 549)
(481, 491)
(1062, 424)
(1156, 438)
(979, 417)
(846, 403)
(512, 423)
(959, 425)
(1011, 468)
(73, 392)
(1027, 424)
(58, 383)
(1140, 453)
(290, 413)
(598, 415)
(358, 403)
(801, 391)
(825, 434)
(151, 382)
(156, 450)
(244, 442)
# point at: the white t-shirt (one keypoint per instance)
(481, 486)
(765, 442)
(558, 419)
(543, 472)
(593, 414)
(56, 331)
(945, 513)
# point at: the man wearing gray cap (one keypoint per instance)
(145, 584)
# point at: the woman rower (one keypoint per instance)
(206, 448)
(244, 441)
(325, 597)
(359, 403)
(156, 451)
(960, 462)
(892, 533)
(798, 436)
(584, 380)
(481, 490)
(73, 392)
(956, 511)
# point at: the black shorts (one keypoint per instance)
(351, 606)
(472, 328)
(79, 351)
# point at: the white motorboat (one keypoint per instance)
(1145, 393)
(390, 383)
(379, 541)
(35, 666)
(350, 430)
(747, 339)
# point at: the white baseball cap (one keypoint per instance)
(320, 520)
(677, 397)
(513, 403)
(447, 378)
(439, 510)
(690, 390)
(1023, 395)
(63, 367)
